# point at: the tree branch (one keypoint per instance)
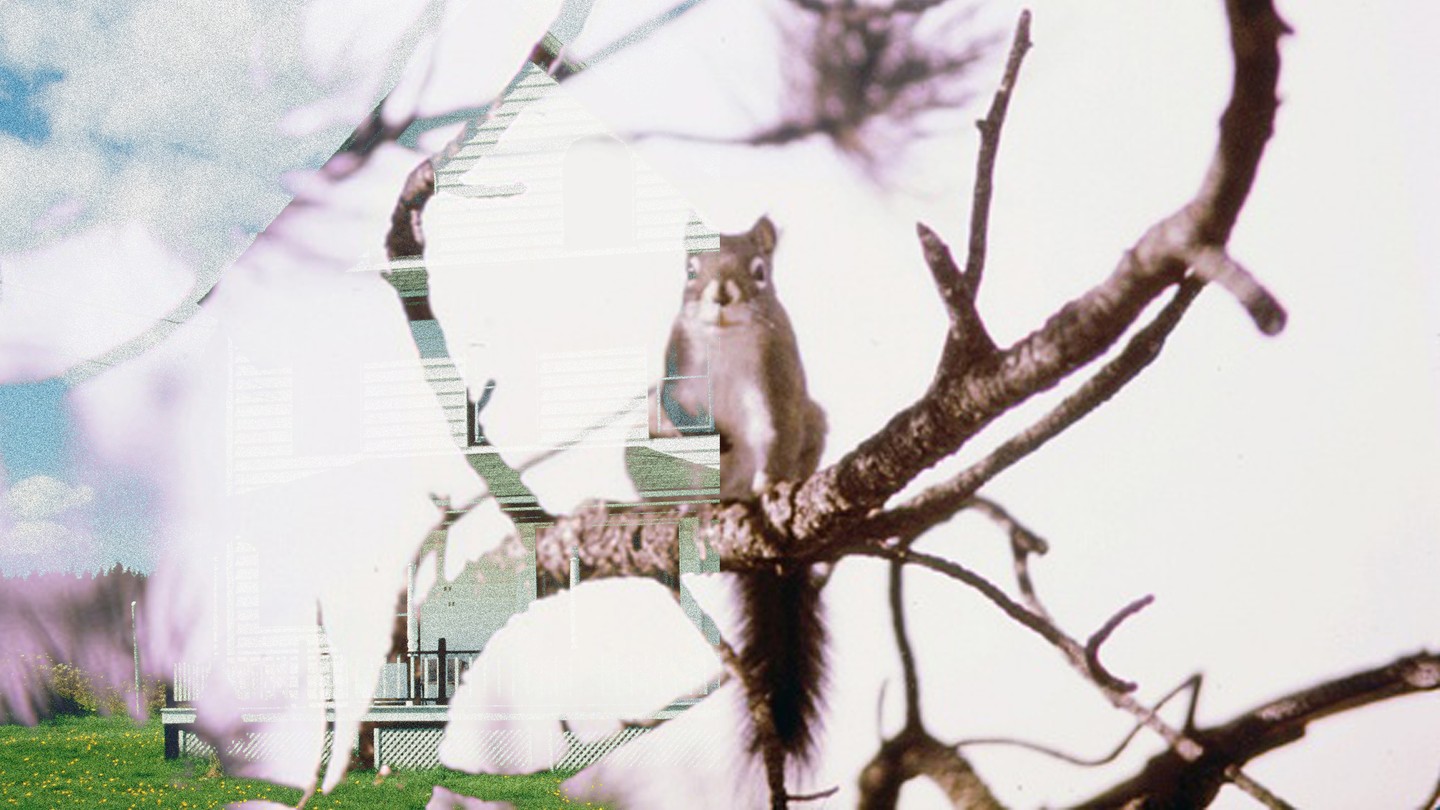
(1192, 684)
(940, 502)
(902, 644)
(969, 341)
(634, 36)
(1186, 747)
(989, 147)
(915, 753)
(1098, 638)
(1169, 780)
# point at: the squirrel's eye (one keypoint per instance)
(757, 268)
(692, 268)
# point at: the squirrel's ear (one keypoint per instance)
(763, 234)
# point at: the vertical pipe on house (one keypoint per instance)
(444, 675)
(412, 634)
(574, 583)
(469, 419)
(412, 622)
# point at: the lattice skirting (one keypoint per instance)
(414, 748)
(417, 747)
(408, 748)
(680, 749)
(271, 745)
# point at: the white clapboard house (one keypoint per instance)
(540, 191)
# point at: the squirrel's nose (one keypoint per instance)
(721, 293)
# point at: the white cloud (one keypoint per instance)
(40, 496)
(33, 537)
(167, 112)
(59, 296)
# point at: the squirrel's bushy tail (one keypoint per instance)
(782, 653)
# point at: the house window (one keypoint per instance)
(699, 417)
(474, 429)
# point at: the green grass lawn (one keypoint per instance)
(92, 761)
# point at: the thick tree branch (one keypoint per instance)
(1170, 780)
(406, 238)
(940, 502)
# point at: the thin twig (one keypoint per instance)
(634, 36)
(902, 643)
(1021, 536)
(990, 127)
(1098, 638)
(969, 341)
(989, 590)
(1021, 550)
(1192, 684)
(1257, 791)
(815, 797)
(1214, 264)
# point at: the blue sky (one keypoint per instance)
(20, 116)
(46, 514)
(70, 524)
(34, 429)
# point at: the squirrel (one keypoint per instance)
(733, 367)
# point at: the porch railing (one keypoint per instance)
(422, 677)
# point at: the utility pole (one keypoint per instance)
(135, 646)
